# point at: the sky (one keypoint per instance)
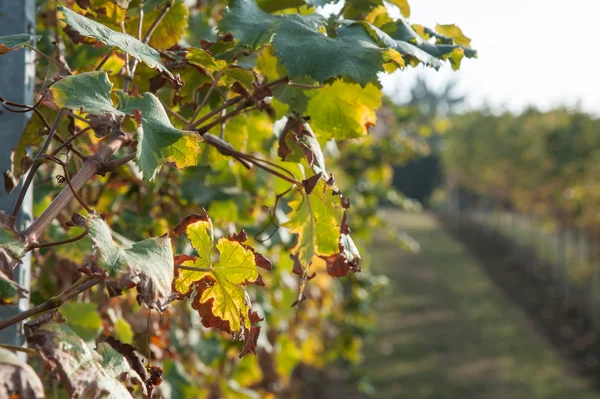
(544, 53)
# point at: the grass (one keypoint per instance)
(446, 333)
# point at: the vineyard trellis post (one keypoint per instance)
(17, 74)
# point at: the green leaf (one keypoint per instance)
(88, 92)
(248, 23)
(304, 50)
(402, 45)
(86, 27)
(15, 42)
(83, 319)
(343, 110)
(17, 378)
(147, 264)
(68, 355)
(298, 139)
(158, 141)
(12, 242)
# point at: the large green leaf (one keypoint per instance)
(75, 363)
(15, 42)
(147, 264)
(88, 92)
(305, 50)
(17, 378)
(401, 45)
(343, 110)
(248, 23)
(159, 141)
(86, 27)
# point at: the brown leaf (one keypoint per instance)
(17, 378)
(189, 219)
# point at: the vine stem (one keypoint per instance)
(79, 286)
(92, 166)
(106, 57)
(57, 137)
(36, 164)
(52, 60)
(36, 245)
(15, 348)
(233, 101)
(204, 100)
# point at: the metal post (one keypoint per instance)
(17, 74)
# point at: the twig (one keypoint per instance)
(57, 136)
(233, 101)
(106, 57)
(303, 86)
(81, 285)
(69, 141)
(157, 21)
(224, 118)
(141, 23)
(217, 110)
(117, 163)
(65, 166)
(50, 59)
(173, 113)
(36, 164)
(36, 245)
(15, 348)
(204, 100)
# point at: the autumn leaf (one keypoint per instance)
(343, 110)
(17, 378)
(218, 286)
(66, 354)
(319, 221)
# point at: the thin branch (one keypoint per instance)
(81, 285)
(65, 166)
(303, 86)
(141, 23)
(174, 113)
(52, 60)
(204, 100)
(106, 57)
(117, 163)
(157, 21)
(69, 141)
(36, 164)
(224, 118)
(233, 101)
(57, 136)
(194, 269)
(36, 245)
(15, 348)
(216, 111)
